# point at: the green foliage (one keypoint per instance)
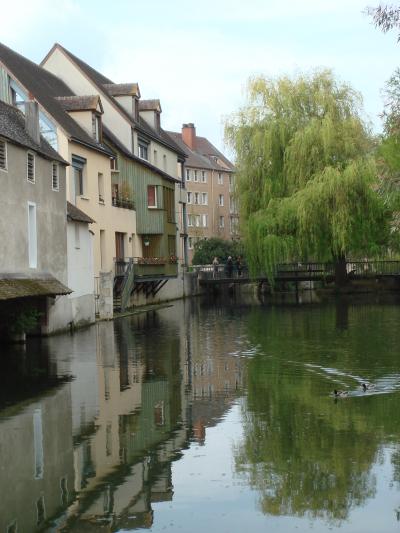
(307, 181)
(206, 249)
(16, 319)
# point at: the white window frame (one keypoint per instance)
(32, 235)
(155, 197)
(204, 198)
(195, 176)
(197, 221)
(190, 221)
(189, 197)
(222, 219)
(30, 154)
(204, 221)
(142, 146)
(5, 168)
(220, 178)
(203, 176)
(196, 198)
(187, 174)
(55, 177)
(221, 200)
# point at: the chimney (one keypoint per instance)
(189, 135)
(32, 121)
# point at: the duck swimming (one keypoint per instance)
(367, 386)
(340, 393)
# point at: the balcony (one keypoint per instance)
(148, 267)
(125, 203)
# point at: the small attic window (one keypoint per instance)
(96, 127)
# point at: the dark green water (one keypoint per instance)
(202, 417)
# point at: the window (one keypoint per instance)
(196, 197)
(204, 220)
(77, 236)
(187, 174)
(169, 203)
(48, 130)
(189, 197)
(195, 177)
(204, 198)
(221, 200)
(197, 220)
(55, 180)
(3, 155)
(100, 184)
(152, 196)
(102, 249)
(30, 167)
(204, 176)
(220, 178)
(96, 127)
(78, 165)
(114, 164)
(221, 222)
(32, 235)
(143, 151)
(190, 243)
(190, 220)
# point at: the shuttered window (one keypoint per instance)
(55, 181)
(30, 167)
(3, 155)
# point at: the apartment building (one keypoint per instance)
(210, 188)
(147, 174)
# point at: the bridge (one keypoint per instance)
(298, 272)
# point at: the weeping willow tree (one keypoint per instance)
(307, 181)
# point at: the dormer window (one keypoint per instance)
(96, 127)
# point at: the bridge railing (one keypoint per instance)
(309, 271)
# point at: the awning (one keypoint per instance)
(11, 288)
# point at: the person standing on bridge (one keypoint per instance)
(215, 267)
(229, 267)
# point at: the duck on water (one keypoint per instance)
(340, 393)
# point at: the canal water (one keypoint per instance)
(203, 417)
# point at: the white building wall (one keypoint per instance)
(80, 272)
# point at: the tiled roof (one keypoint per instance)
(12, 288)
(194, 159)
(76, 214)
(103, 84)
(115, 141)
(204, 146)
(80, 103)
(12, 127)
(205, 155)
(150, 105)
(122, 89)
(45, 88)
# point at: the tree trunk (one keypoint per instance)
(340, 271)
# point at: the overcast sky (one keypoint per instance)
(196, 57)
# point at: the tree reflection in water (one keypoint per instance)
(306, 454)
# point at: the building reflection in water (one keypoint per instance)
(95, 450)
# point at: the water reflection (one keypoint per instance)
(93, 425)
(304, 453)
